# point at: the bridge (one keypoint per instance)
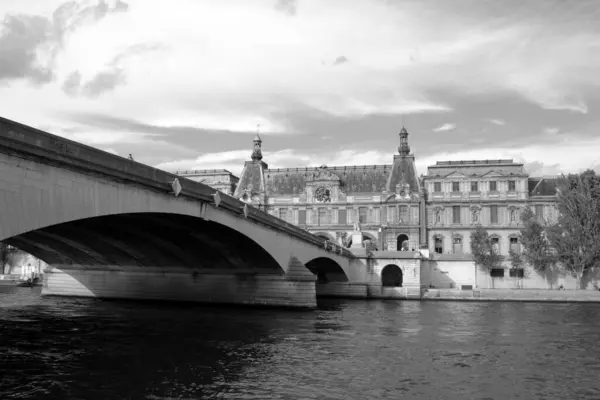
(111, 227)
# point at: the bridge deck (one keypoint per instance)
(27, 142)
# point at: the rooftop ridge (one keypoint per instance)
(477, 162)
(201, 171)
(337, 167)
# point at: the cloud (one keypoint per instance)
(29, 43)
(286, 158)
(340, 60)
(445, 127)
(21, 35)
(538, 168)
(103, 82)
(202, 79)
(551, 131)
(289, 7)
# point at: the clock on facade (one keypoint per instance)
(323, 194)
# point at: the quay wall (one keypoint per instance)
(238, 288)
(524, 295)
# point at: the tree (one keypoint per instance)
(576, 234)
(516, 261)
(537, 250)
(483, 250)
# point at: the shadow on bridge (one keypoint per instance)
(147, 240)
(164, 256)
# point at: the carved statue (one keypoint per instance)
(356, 226)
(438, 216)
(513, 215)
(475, 216)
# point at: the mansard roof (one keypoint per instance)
(475, 168)
(251, 179)
(353, 178)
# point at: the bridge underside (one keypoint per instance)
(161, 257)
(125, 241)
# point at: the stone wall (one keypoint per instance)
(250, 289)
(454, 274)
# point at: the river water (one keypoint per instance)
(64, 348)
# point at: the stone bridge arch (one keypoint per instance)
(327, 270)
(128, 222)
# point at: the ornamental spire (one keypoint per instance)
(404, 148)
(256, 152)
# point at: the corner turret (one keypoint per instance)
(257, 152)
(251, 186)
(404, 148)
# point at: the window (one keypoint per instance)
(362, 214)
(342, 215)
(493, 187)
(323, 216)
(391, 214)
(514, 245)
(283, 213)
(301, 217)
(516, 273)
(439, 245)
(497, 272)
(474, 187)
(404, 214)
(437, 187)
(512, 186)
(495, 244)
(539, 210)
(456, 214)
(494, 214)
(456, 186)
(457, 245)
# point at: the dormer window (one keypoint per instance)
(474, 187)
(456, 186)
(437, 187)
(512, 186)
(493, 186)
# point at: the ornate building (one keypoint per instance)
(394, 209)
(386, 201)
(493, 193)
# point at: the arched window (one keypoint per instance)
(391, 276)
(402, 242)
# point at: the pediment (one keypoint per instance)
(493, 174)
(456, 174)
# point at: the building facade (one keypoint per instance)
(384, 202)
(220, 179)
(396, 210)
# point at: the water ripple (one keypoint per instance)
(53, 348)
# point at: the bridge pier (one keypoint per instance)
(216, 287)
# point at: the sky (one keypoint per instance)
(186, 84)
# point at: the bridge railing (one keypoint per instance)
(30, 143)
